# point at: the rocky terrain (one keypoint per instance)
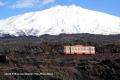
(44, 54)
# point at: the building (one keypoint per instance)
(79, 49)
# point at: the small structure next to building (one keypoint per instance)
(79, 49)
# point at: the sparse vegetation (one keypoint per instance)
(45, 54)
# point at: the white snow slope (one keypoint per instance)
(61, 19)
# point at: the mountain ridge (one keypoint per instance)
(61, 19)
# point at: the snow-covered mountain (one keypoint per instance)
(61, 19)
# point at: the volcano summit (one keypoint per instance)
(61, 19)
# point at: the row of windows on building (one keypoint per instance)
(81, 48)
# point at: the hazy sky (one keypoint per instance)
(14, 7)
